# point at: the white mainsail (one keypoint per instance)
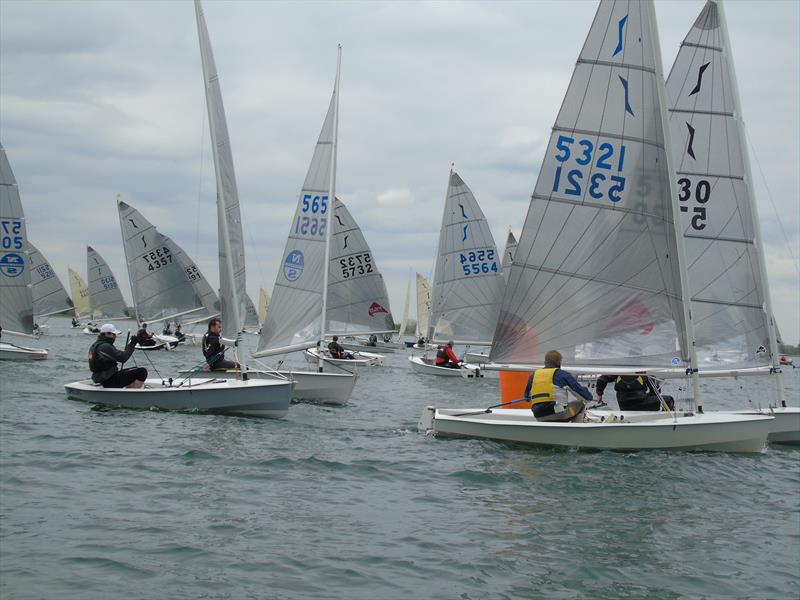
(295, 314)
(263, 306)
(105, 297)
(16, 298)
(729, 292)
(467, 282)
(357, 297)
(80, 294)
(233, 288)
(597, 272)
(423, 305)
(49, 295)
(163, 279)
(508, 254)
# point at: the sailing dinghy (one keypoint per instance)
(599, 269)
(730, 297)
(467, 281)
(16, 296)
(241, 394)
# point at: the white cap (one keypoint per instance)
(109, 328)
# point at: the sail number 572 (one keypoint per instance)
(606, 157)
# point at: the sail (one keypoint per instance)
(163, 279)
(357, 297)
(250, 315)
(406, 305)
(467, 282)
(231, 241)
(16, 298)
(508, 254)
(294, 317)
(80, 294)
(263, 306)
(718, 223)
(596, 274)
(105, 297)
(423, 305)
(49, 295)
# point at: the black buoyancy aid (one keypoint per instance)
(441, 355)
(630, 383)
(102, 367)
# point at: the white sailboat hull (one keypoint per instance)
(646, 431)
(785, 427)
(14, 352)
(363, 359)
(309, 386)
(256, 397)
(354, 347)
(426, 366)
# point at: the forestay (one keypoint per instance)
(467, 282)
(80, 293)
(508, 254)
(162, 277)
(16, 298)
(233, 286)
(105, 297)
(423, 305)
(596, 273)
(357, 298)
(295, 314)
(49, 295)
(718, 219)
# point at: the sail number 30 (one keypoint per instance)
(600, 185)
(702, 193)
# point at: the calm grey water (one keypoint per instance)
(353, 502)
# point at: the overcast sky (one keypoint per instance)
(106, 98)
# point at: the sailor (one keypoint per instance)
(178, 333)
(634, 392)
(214, 350)
(337, 351)
(75, 322)
(373, 340)
(445, 357)
(167, 329)
(144, 337)
(421, 341)
(103, 359)
(546, 389)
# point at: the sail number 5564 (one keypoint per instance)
(607, 157)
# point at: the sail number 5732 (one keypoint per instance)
(606, 157)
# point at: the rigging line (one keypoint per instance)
(772, 202)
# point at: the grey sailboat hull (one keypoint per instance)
(257, 397)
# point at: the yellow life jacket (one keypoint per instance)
(542, 388)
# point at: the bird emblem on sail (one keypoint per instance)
(634, 314)
(375, 308)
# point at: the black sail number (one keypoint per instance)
(702, 194)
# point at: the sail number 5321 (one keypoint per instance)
(607, 157)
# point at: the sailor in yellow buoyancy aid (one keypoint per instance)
(547, 390)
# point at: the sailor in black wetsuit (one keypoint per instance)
(144, 337)
(634, 392)
(337, 351)
(214, 350)
(103, 359)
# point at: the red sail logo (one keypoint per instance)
(376, 308)
(633, 315)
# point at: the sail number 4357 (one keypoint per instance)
(160, 257)
(607, 157)
(476, 262)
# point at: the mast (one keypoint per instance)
(674, 204)
(769, 316)
(331, 205)
(127, 264)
